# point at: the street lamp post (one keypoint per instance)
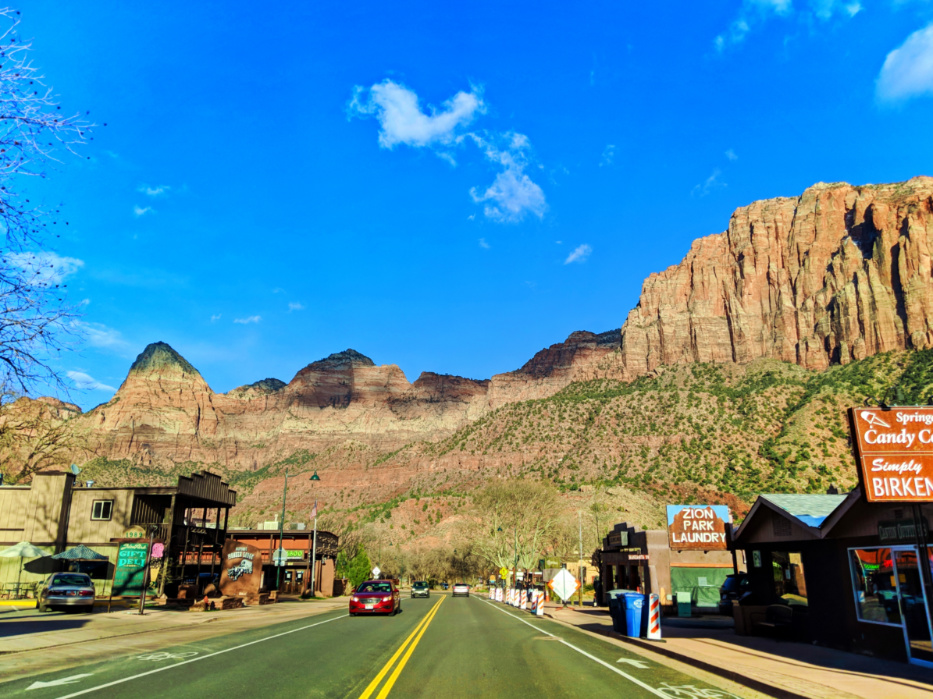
(142, 594)
(314, 477)
(278, 568)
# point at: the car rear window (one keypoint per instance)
(77, 580)
(375, 587)
(732, 583)
(420, 585)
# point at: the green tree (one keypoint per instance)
(355, 568)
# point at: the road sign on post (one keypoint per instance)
(279, 557)
(503, 573)
(376, 572)
(564, 584)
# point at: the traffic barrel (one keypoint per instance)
(654, 617)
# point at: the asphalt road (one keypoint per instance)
(441, 646)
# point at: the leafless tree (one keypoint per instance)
(35, 436)
(516, 519)
(34, 316)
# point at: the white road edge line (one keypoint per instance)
(194, 660)
(583, 652)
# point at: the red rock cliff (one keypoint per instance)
(836, 274)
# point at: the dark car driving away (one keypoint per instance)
(376, 597)
(420, 589)
(69, 591)
(733, 588)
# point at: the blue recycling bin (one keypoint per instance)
(617, 610)
(634, 602)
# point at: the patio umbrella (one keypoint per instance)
(80, 553)
(22, 550)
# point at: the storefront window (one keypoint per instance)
(789, 581)
(875, 586)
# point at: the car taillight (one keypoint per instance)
(86, 593)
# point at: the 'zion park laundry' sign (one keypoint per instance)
(701, 527)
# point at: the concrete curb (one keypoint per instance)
(655, 647)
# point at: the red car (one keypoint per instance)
(376, 597)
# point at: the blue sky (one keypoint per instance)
(446, 190)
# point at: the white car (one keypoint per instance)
(461, 590)
(69, 591)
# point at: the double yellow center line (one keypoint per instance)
(410, 645)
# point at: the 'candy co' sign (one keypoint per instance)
(894, 449)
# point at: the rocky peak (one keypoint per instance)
(159, 356)
(342, 360)
(263, 387)
(839, 273)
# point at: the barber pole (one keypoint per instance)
(654, 617)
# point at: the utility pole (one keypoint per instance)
(515, 565)
(278, 568)
(580, 565)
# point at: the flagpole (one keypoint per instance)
(314, 553)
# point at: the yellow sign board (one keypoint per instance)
(503, 572)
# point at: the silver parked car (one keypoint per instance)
(66, 590)
(461, 590)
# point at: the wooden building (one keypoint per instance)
(643, 560)
(295, 576)
(850, 574)
(54, 513)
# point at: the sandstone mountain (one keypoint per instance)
(836, 274)
(165, 413)
(728, 378)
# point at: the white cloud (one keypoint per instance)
(295, 306)
(43, 269)
(156, 191)
(908, 70)
(142, 210)
(402, 120)
(579, 255)
(609, 154)
(483, 244)
(826, 9)
(512, 194)
(510, 197)
(84, 381)
(708, 185)
(215, 318)
(730, 154)
(85, 302)
(754, 13)
(247, 320)
(99, 335)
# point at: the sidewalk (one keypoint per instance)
(31, 642)
(778, 668)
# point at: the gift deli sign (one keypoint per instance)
(894, 450)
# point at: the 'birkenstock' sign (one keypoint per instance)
(894, 450)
